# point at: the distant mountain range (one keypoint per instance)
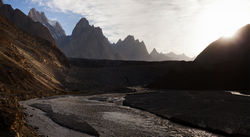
(156, 56)
(88, 41)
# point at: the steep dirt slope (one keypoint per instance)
(28, 68)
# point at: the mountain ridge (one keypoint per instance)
(56, 30)
(99, 47)
(22, 21)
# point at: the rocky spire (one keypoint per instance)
(154, 52)
(55, 28)
(82, 26)
(83, 22)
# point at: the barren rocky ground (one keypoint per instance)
(98, 115)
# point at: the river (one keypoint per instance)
(103, 113)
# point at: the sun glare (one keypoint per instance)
(221, 19)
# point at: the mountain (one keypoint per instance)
(180, 57)
(25, 23)
(131, 49)
(228, 51)
(1, 2)
(156, 56)
(223, 65)
(87, 41)
(54, 27)
(30, 67)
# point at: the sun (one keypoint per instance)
(221, 18)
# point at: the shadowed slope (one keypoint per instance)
(28, 67)
(224, 64)
(28, 62)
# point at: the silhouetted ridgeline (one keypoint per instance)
(224, 64)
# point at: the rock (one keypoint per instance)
(87, 42)
(131, 49)
(54, 27)
(25, 23)
(22, 62)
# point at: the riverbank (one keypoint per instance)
(216, 111)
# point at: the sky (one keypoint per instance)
(180, 26)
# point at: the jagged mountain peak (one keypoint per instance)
(38, 16)
(83, 22)
(53, 26)
(132, 49)
(154, 52)
(129, 38)
(131, 41)
(82, 26)
(32, 10)
(119, 41)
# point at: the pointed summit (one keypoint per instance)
(82, 26)
(83, 22)
(154, 52)
(132, 49)
(38, 17)
(53, 26)
(129, 38)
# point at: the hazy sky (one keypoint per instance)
(181, 26)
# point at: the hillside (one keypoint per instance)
(29, 67)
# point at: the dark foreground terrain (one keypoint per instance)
(108, 75)
(217, 111)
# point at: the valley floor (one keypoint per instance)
(98, 115)
(224, 112)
